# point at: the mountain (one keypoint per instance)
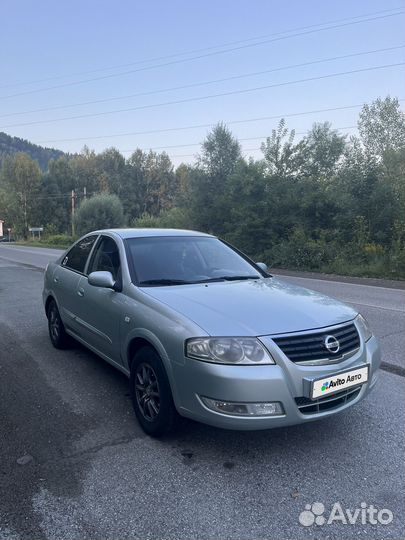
(11, 145)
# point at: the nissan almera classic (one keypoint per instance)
(204, 332)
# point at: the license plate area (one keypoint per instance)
(334, 383)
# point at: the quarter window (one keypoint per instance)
(77, 257)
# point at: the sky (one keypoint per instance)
(67, 60)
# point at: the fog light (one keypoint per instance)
(272, 408)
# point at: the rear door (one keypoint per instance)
(66, 278)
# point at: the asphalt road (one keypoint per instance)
(75, 464)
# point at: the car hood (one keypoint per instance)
(253, 308)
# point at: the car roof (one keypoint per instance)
(148, 232)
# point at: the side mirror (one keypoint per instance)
(263, 266)
(101, 279)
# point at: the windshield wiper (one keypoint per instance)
(228, 278)
(235, 278)
(162, 282)
(158, 282)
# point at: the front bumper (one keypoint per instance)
(283, 382)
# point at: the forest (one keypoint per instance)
(12, 145)
(325, 202)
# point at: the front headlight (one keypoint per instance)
(363, 327)
(224, 350)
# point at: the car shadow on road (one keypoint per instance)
(192, 438)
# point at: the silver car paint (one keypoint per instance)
(107, 322)
(253, 308)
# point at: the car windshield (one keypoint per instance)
(181, 260)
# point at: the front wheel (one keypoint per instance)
(57, 333)
(151, 394)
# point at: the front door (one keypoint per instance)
(102, 308)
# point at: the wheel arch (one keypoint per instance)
(135, 345)
(50, 299)
(147, 339)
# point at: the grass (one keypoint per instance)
(377, 270)
(43, 244)
(370, 270)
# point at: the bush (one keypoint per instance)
(300, 251)
(99, 212)
(59, 240)
(51, 229)
(326, 254)
(175, 218)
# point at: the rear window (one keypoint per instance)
(77, 257)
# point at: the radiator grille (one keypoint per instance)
(311, 348)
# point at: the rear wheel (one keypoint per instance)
(57, 333)
(151, 394)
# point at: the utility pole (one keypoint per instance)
(73, 211)
(84, 193)
(25, 214)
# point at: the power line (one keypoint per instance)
(146, 68)
(263, 137)
(199, 126)
(51, 196)
(205, 83)
(201, 98)
(247, 149)
(195, 155)
(63, 196)
(192, 51)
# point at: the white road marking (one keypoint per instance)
(19, 262)
(373, 306)
(35, 251)
(340, 282)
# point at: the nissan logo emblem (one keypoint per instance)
(332, 344)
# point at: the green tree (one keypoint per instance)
(382, 133)
(282, 157)
(85, 171)
(21, 180)
(99, 212)
(57, 186)
(321, 150)
(249, 218)
(175, 218)
(370, 187)
(382, 126)
(208, 182)
(220, 153)
(325, 202)
(150, 184)
(111, 169)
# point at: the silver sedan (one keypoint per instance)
(205, 333)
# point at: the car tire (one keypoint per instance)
(151, 394)
(57, 332)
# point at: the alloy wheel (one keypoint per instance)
(147, 391)
(54, 324)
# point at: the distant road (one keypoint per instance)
(33, 256)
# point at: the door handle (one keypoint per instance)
(80, 292)
(56, 279)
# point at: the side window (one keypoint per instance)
(106, 258)
(77, 256)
